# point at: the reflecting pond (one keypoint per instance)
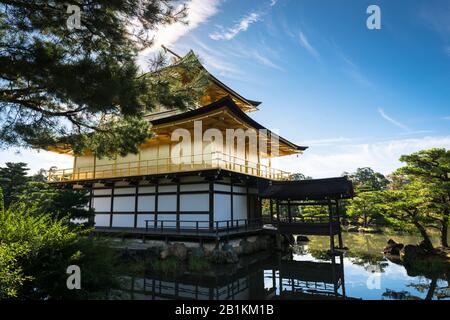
(306, 272)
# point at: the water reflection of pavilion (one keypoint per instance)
(282, 278)
(308, 279)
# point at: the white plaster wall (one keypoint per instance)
(141, 220)
(194, 202)
(124, 204)
(167, 203)
(239, 207)
(102, 220)
(222, 207)
(170, 217)
(101, 204)
(123, 220)
(202, 218)
(146, 203)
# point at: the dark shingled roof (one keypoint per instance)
(319, 189)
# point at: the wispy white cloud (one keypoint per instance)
(214, 59)
(436, 17)
(354, 72)
(257, 56)
(273, 2)
(392, 120)
(327, 141)
(382, 156)
(199, 11)
(241, 26)
(446, 118)
(265, 60)
(351, 69)
(305, 44)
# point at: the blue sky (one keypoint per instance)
(357, 97)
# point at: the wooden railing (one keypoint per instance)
(168, 165)
(197, 227)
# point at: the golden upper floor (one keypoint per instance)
(221, 110)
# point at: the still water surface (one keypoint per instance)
(305, 273)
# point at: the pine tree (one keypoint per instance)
(13, 179)
(2, 201)
(79, 85)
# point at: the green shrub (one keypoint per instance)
(35, 252)
(198, 264)
(171, 265)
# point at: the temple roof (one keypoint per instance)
(217, 89)
(222, 114)
(319, 189)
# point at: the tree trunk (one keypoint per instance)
(365, 220)
(426, 238)
(444, 233)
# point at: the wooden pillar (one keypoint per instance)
(95, 166)
(74, 175)
(330, 217)
(289, 210)
(232, 204)
(91, 219)
(136, 199)
(211, 205)
(156, 204)
(341, 243)
(271, 210)
(278, 210)
(247, 195)
(178, 205)
(112, 206)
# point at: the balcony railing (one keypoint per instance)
(214, 160)
(198, 227)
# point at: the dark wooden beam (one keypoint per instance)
(112, 207)
(330, 215)
(341, 243)
(211, 205)
(232, 201)
(178, 204)
(155, 215)
(136, 199)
